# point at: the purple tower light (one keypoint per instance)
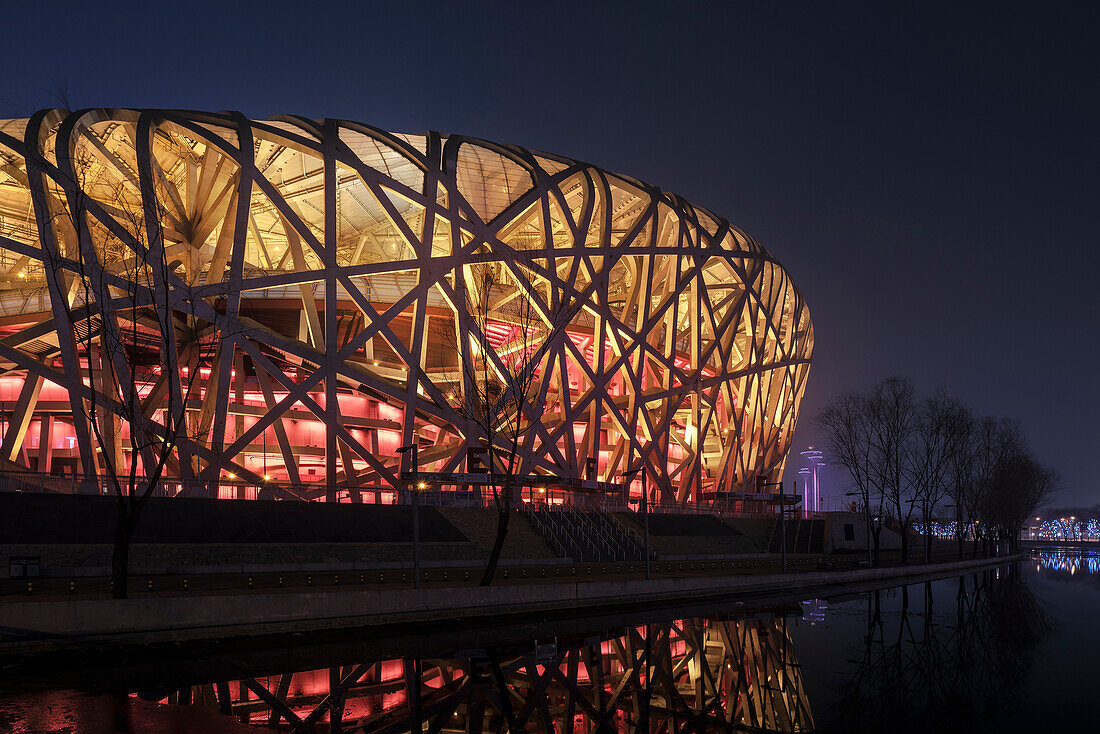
(807, 487)
(815, 459)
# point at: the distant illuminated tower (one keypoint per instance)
(807, 486)
(816, 460)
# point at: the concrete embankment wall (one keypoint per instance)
(46, 625)
(71, 536)
(46, 518)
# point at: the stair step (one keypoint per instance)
(586, 536)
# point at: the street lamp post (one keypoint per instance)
(925, 510)
(416, 510)
(782, 519)
(628, 475)
(783, 527)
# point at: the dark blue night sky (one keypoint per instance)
(925, 171)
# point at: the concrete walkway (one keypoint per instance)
(38, 626)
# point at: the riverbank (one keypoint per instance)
(42, 626)
(1030, 544)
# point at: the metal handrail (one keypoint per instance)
(543, 525)
(601, 536)
(579, 525)
(613, 535)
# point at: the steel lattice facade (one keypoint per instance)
(317, 275)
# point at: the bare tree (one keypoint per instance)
(129, 329)
(891, 417)
(1000, 442)
(942, 424)
(846, 422)
(1018, 484)
(502, 327)
(986, 447)
(899, 452)
(961, 480)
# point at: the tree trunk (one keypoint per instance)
(498, 545)
(504, 512)
(876, 534)
(125, 520)
(904, 544)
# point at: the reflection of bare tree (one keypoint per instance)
(688, 675)
(921, 675)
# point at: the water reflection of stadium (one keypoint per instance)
(931, 656)
(694, 674)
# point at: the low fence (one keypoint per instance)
(481, 497)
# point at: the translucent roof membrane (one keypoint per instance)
(383, 158)
(489, 181)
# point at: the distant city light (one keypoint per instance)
(1065, 528)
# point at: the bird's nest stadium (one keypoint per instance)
(274, 308)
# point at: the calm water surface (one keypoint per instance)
(1005, 650)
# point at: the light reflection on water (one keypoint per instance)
(68, 712)
(814, 610)
(1067, 560)
(700, 673)
(946, 655)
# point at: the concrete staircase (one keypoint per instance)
(586, 535)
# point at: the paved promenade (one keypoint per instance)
(39, 625)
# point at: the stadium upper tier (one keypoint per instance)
(287, 302)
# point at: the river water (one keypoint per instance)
(1009, 649)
